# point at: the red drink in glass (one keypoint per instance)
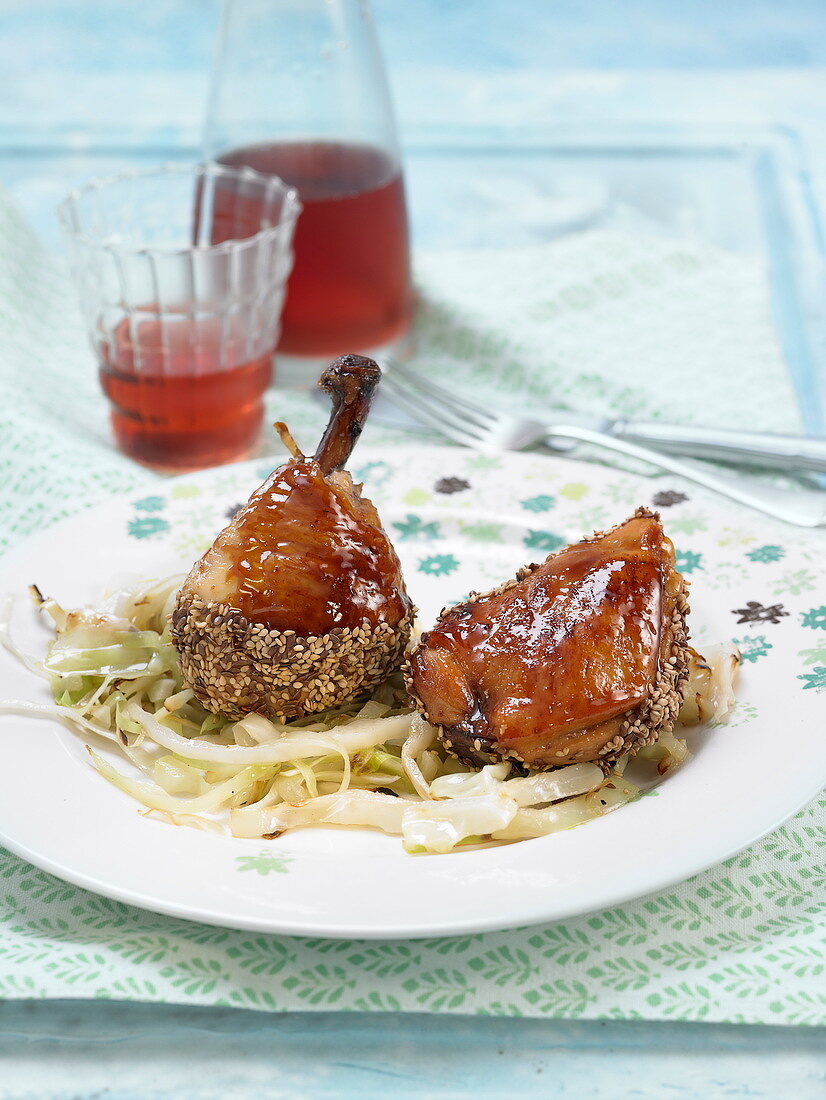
(183, 395)
(350, 285)
(184, 331)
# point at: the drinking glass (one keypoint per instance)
(299, 90)
(184, 329)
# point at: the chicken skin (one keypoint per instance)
(581, 658)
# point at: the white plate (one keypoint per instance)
(460, 521)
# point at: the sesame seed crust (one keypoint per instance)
(638, 727)
(237, 666)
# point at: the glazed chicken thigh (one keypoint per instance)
(581, 658)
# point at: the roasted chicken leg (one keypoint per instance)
(300, 603)
(583, 657)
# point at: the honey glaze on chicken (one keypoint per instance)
(307, 554)
(581, 658)
(299, 604)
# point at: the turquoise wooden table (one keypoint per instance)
(90, 88)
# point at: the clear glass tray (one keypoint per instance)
(742, 189)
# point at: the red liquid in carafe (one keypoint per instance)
(172, 408)
(350, 286)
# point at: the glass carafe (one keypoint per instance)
(299, 91)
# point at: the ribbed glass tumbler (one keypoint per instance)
(184, 330)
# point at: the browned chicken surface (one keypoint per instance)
(315, 556)
(580, 658)
(299, 603)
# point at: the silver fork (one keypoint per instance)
(472, 425)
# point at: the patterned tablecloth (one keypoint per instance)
(638, 324)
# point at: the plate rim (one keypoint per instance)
(458, 927)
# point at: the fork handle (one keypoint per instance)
(782, 452)
(802, 507)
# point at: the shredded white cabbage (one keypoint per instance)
(114, 674)
(709, 694)
(420, 738)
